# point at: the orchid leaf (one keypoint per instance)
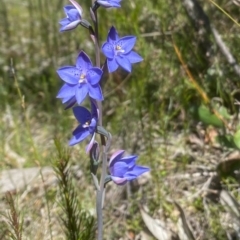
(207, 117)
(236, 139)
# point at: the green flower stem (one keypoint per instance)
(100, 195)
(100, 191)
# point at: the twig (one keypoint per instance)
(203, 25)
(225, 51)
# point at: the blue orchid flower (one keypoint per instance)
(80, 80)
(74, 16)
(88, 124)
(119, 51)
(123, 169)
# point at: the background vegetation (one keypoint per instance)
(176, 111)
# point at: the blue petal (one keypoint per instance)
(112, 35)
(133, 57)
(127, 43)
(64, 21)
(68, 8)
(70, 103)
(83, 62)
(105, 4)
(118, 180)
(89, 146)
(70, 26)
(78, 138)
(109, 3)
(79, 130)
(81, 114)
(119, 169)
(73, 15)
(115, 4)
(112, 65)
(69, 74)
(95, 92)
(66, 100)
(92, 126)
(136, 171)
(108, 50)
(116, 157)
(66, 92)
(81, 93)
(62, 29)
(94, 75)
(77, 6)
(130, 160)
(94, 109)
(124, 63)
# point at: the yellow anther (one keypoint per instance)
(82, 78)
(86, 124)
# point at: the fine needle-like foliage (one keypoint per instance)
(77, 223)
(13, 219)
